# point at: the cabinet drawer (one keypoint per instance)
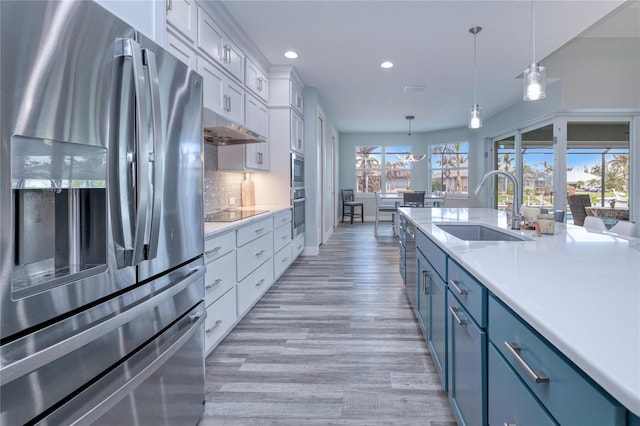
(297, 245)
(470, 292)
(433, 253)
(567, 394)
(281, 217)
(254, 230)
(510, 401)
(220, 277)
(218, 246)
(281, 261)
(221, 316)
(251, 288)
(254, 254)
(281, 237)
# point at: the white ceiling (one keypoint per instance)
(342, 43)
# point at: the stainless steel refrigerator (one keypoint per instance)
(101, 279)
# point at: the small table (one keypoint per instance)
(617, 213)
(397, 199)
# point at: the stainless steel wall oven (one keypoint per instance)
(297, 170)
(298, 203)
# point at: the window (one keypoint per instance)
(450, 168)
(378, 169)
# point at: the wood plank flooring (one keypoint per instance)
(333, 342)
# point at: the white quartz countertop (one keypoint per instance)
(211, 229)
(578, 289)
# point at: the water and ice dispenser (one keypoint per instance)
(59, 213)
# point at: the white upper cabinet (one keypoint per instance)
(257, 115)
(256, 80)
(220, 93)
(182, 16)
(297, 133)
(215, 44)
(297, 99)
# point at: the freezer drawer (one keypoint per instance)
(57, 362)
(161, 384)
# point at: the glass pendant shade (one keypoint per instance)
(475, 117)
(534, 84)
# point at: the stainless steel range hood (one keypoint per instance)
(220, 130)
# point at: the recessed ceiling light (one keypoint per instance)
(386, 64)
(290, 54)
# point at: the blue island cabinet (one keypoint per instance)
(432, 302)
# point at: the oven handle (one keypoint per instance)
(32, 362)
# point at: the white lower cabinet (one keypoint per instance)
(254, 254)
(220, 277)
(221, 318)
(297, 245)
(281, 261)
(253, 286)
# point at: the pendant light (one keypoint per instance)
(534, 84)
(475, 117)
(411, 158)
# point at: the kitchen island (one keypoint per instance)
(578, 290)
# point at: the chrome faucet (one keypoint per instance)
(515, 214)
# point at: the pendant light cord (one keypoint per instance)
(475, 71)
(533, 34)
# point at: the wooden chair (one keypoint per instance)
(413, 199)
(384, 208)
(349, 203)
(577, 204)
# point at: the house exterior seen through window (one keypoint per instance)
(378, 169)
(450, 168)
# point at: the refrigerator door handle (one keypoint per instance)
(131, 248)
(156, 157)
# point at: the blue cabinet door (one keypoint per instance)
(424, 271)
(510, 401)
(467, 364)
(437, 335)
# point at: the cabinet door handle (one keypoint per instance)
(454, 284)
(227, 103)
(284, 260)
(169, 5)
(213, 250)
(213, 284)
(259, 230)
(226, 54)
(454, 311)
(216, 325)
(425, 276)
(509, 424)
(260, 253)
(259, 84)
(537, 376)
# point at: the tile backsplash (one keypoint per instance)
(219, 186)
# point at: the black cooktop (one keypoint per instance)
(230, 215)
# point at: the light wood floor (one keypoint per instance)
(333, 342)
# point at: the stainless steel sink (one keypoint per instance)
(477, 232)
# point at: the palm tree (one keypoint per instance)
(620, 166)
(366, 161)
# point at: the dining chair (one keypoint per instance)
(413, 199)
(624, 227)
(594, 224)
(349, 205)
(384, 208)
(577, 204)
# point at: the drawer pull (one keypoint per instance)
(454, 311)
(425, 276)
(285, 259)
(259, 283)
(260, 253)
(537, 376)
(213, 250)
(216, 325)
(259, 230)
(454, 284)
(283, 237)
(283, 219)
(213, 284)
(509, 424)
